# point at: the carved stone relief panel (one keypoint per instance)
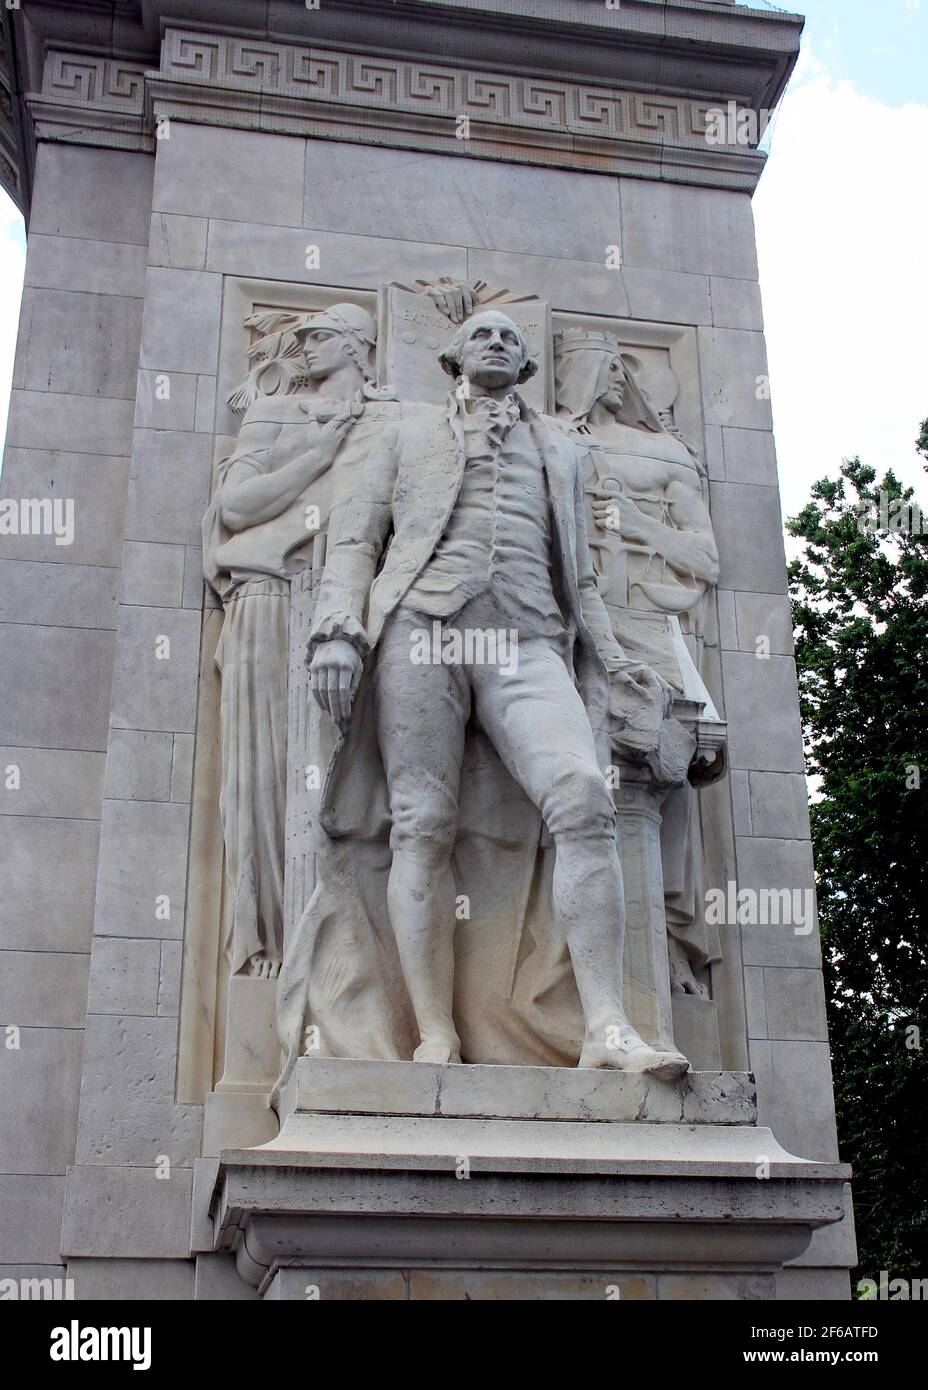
(310, 384)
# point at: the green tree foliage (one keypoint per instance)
(860, 609)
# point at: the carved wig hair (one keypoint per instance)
(450, 359)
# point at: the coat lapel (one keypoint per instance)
(557, 455)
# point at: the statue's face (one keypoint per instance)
(613, 398)
(494, 352)
(325, 353)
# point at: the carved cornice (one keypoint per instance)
(623, 90)
(342, 95)
(88, 100)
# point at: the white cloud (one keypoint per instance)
(12, 267)
(841, 214)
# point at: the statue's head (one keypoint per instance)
(594, 377)
(490, 351)
(589, 372)
(613, 383)
(341, 336)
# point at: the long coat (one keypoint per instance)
(408, 486)
(515, 995)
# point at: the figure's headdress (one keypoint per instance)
(582, 364)
(278, 350)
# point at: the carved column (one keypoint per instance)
(647, 969)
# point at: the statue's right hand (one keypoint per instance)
(330, 436)
(335, 671)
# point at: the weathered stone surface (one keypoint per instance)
(181, 328)
(169, 979)
(205, 416)
(704, 231)
(142, 872)
(779, 805)
(528, 1093)
(79, 344)
(740, 802)
(166, 401)
(750, 456)
(795, 1001)
(138, 765)
(128, 1115)
(715, 454)
(126, 1212)
(797, 1100)
(740, 513)
(762, 707)
(465, 202)
(735, 381)
(755, 1001)
(571, 284)
(125, 1281)
(37, 594)
(152, 574)
(236, 174)
(739, 1288)
(764, 616)
(40, 911)
(178, 241)
(155, 669)
(243, 248)
(168, 486)
(68, 201)
(52, 780)
(814, 1285)
(73, 263)
(94, 484)
(492, 1286)
(736, 304)
(728, 627)
(30, 1218)
(196, 593)
(667, 296)
(832, 1245)
(182, 767)
(84, 424)
(124, 976)
(344, 1284)
(39, 1138)
(218, 1281)
(780, 866)
(43, 989)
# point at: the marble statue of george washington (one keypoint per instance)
(470, 518)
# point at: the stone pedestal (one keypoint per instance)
(398, 1180)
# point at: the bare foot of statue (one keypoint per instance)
(682, 979)
(262, 967)
(438, 1049)
(616, 1045)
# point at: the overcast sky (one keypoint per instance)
(842, 230)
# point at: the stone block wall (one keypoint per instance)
(69, 439)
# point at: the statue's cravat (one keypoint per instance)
(493, 418)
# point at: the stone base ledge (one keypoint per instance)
(526, 1171)
(343, 1085)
